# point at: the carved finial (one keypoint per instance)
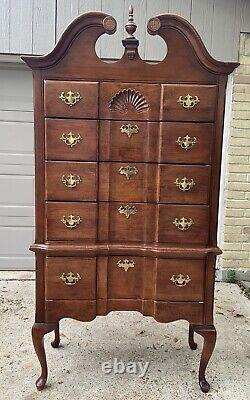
(130, 26)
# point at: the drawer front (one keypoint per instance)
(186, 143)
(185, 184)
(125, 277)
(189, 102)
(127, 182)
(133, 141)
(70, 139)
(183, 224)
(71, 221)
(71, 181)
(127, 222)
(129, 101)
(71, 99)
(180, 280)
(70, 278)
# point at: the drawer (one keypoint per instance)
(183, 224)
(129, 101)
(71, 221)
(189, 143)
(125, 277)
(127, 222)
(71, 139)
(135, 141)
(71, 99)
(189, 102)
(71, 180)
(70, 278)
(184, 184)
(129, 182)
(180, 280)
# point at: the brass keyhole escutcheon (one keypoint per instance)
(183, 224)
(129, 130)
(71, 221)
(184, 184)
(186, 142)
(128, 171)
(127, 210)
(70, 278)
(188, 101)
(180, 280)
(71, 181)
(71, 139)
(126, 264)
(70, 98)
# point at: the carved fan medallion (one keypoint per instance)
(128, 101)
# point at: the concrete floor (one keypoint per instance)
(75, 368)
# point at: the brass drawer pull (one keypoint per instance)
(125, 264)
(186, 142)
(71, 181)
(70, 98)
(183, 223)
(184, 184)
(129, 130)
(127, 210)
(180, 280)
(188, 101)
(128, 171)
(71, 139)
(71, 221)
(70, 278)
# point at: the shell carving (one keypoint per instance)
(128, 101)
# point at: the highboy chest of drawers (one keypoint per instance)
(128, 160)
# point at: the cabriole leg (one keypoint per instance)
(38, 332)
(209, 336)
(56, 341)
(191, 341)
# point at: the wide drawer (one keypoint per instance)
(71, 139)
(129, 101)
(138, 182)
(70, 278)
(180, 280)
(189, 102)
(71, 221)
(183, 224)
(69, 99)
(71, 180)
(189, 143)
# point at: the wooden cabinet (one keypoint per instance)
(127, 180)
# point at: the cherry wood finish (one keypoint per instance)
(126, 242)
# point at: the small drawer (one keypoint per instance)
(127, 182)
(133, 141)
(71, 99)
(183, 224)
(125, 277)
(70, 278)
(186, 143)
(184, 184)
(129, 101)
(180, 280)
(71, 221)
(71, 139)
(189, 102)
(71, 181)
(127, 222)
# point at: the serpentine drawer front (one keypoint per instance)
(127, 180)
